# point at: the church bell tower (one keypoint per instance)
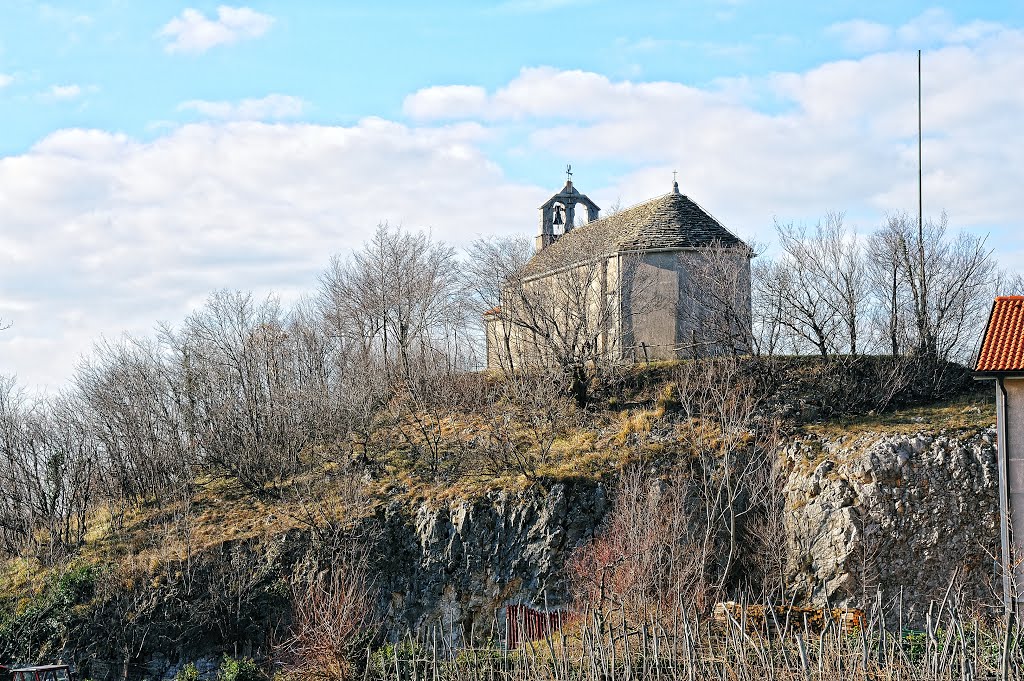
(558, 214)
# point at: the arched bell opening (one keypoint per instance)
(581, 215)
(559, 219)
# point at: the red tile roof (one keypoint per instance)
(1002, 349)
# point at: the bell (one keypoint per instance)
(558, 216)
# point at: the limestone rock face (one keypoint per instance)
(905, 514)
(454, 566)
(892, 512)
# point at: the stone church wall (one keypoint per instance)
(662, 307)
(672, 313)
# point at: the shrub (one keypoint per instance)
(240, 669)
(406, 659)
(39, 625)
(333, 619)
(187, 673)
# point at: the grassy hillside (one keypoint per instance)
(214, 564)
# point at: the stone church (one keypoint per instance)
(660, 280)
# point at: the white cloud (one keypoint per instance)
(938, 26)
(545, 92)
(193, 33)
(446, 101)
(5, 80)
(934, 26)
(859, 35)
(271, 107)
(115, 233)
(65, 91)
(839, 136)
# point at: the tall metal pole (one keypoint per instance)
(920, 200)
(925, 315)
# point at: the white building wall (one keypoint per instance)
(1011, 429)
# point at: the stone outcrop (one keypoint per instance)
(904, 514)
(449, 565)
(456, 565)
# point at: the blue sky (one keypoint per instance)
(105, 65)
(351, 60)
(153, 151)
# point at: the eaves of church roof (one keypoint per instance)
(669, 222)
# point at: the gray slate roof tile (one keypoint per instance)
(666, 222)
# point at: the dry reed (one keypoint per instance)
(680, 644)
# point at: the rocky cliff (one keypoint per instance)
(904, 514)
(448, 566)
(456, 565)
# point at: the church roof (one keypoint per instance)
(667, 222)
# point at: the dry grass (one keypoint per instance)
(960, 413)
(149, 536)
(633, 422)
(684, 644)
(20, 578)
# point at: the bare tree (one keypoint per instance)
(244, 390)
(615, 207)
(818, 286)
(16, 522)
(887, 286)
(732, 458)
(642, 557)
(492, 265)
(687, 537)
(718, 300)
(767, 309)
(399, 295)
(48, 464)
(575, 316)
(805, 319)
(527, 414)
(134, 405)
(942, 287)
(333, 618)
(1008, 284)
(834, 258)
(914, 286)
